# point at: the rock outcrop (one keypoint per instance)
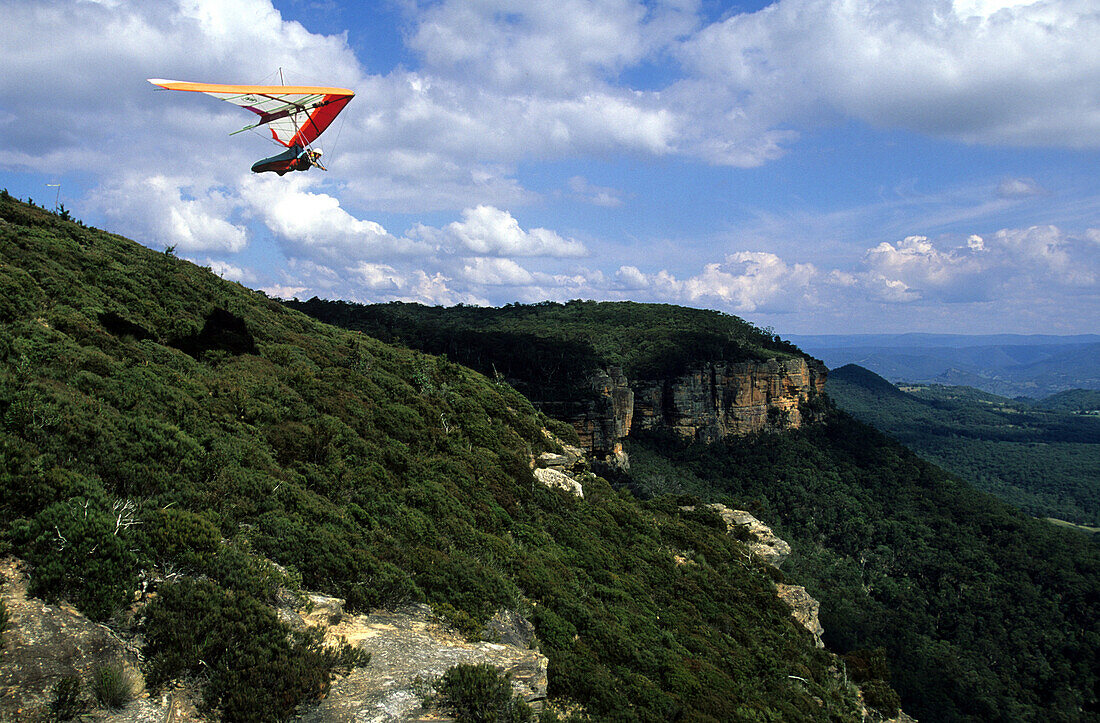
(770, 549)
(716, 400)
(763, 543)
(804, 609)
(560, 471)
(606, 420)
(44, 643)
(409, 647)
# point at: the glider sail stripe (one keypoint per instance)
(296, 114)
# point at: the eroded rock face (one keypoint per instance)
(804, 609)
(603, 425)
(764, 543)
(407, 644)
(716, 400)
(722, 399)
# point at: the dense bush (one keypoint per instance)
(982, 612)
(480, 694)
(257, 669)
(1045, 462)
(112, 686)
(374, 473)
(81, 552)
(548, 350)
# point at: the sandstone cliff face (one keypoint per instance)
(716, 400)
(721, 399)
(603, 425)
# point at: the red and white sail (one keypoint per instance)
(296, 114)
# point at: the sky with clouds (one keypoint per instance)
(819, 166)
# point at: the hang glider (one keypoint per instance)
(295, 114)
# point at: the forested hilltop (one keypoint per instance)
(548, 350)
(160, 424)
(983, 613)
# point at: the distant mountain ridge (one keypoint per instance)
(1041, 456)
(1011, 365)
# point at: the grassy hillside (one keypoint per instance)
(1045, 462)
(157, 420)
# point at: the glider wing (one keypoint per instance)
(296, 114)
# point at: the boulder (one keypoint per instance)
(555, 479)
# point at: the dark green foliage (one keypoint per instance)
(257, 668)
(480, 694)
(1046, 462)
(548, 350)
(81, 553)
(222, 331)
(984, 614)
(864, 665)
(1081, 401)
(879, 695)
(4, 620)
(111, 686)
(66, 702)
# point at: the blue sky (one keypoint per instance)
(819, 166)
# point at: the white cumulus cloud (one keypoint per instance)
(165, 211)
(490, 231)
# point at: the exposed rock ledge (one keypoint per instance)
(46, 642)
(407, 644)
(769, 548)
(560, 471)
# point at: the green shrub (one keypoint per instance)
(480, 694)
(112, 686)
(66, 703)
(256, 668)
(867, 664)
(80, 553)
(879, 695)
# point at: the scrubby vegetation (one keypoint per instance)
(548, 350)
(112, 686)
(479, 694)
(983, 613)
(66, 701)
(158, 421)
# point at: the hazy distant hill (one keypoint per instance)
(1006, 364)
(1044, 460)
